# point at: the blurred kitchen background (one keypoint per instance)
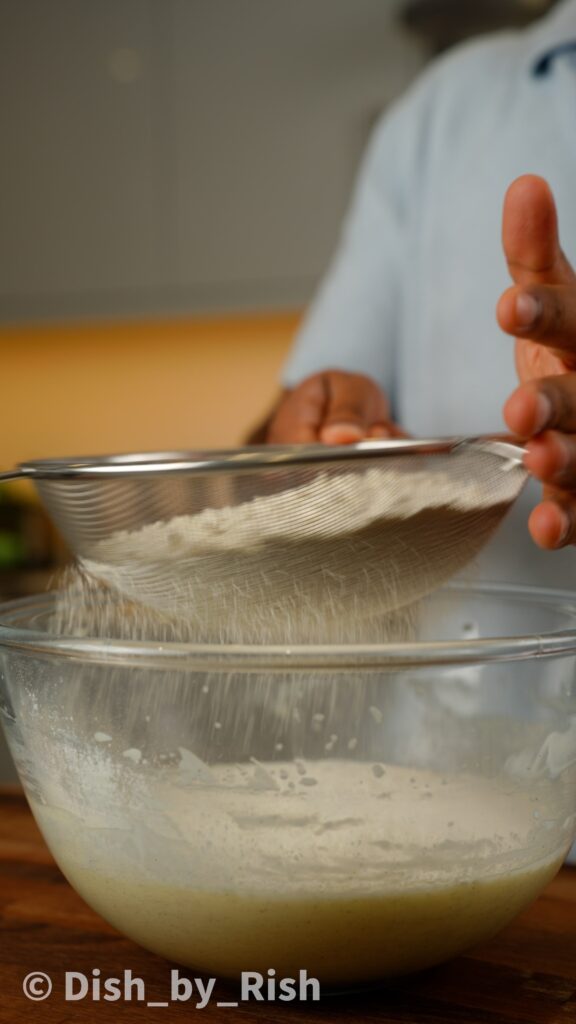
(172, 180)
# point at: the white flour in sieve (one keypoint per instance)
(365, 498)
(310, 564)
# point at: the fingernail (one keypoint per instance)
(544, 412)
(381, 432)
(342, 433)
(528, 309)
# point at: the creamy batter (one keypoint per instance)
(338, 939)
(350, 871)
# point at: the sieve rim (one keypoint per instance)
(176, 656)
(250, 459)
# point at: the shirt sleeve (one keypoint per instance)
(355, 321)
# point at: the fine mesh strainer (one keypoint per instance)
(287, 544)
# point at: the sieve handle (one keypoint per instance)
(13, 474)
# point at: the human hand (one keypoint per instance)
(540, 311)
(333, 407)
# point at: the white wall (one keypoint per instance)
(182, 155)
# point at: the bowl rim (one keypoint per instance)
(282, 658)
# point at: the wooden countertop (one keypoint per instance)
(525, 976)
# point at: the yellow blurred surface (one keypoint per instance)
(99, 388)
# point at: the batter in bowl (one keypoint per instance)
(351, 871)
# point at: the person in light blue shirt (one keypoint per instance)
(404, 329)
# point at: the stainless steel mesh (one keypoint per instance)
(282, 545)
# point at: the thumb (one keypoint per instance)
(354, 405)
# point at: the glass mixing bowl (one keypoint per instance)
(355, 812)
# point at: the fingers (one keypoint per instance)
(333, 407)
(551, 458)
(548, 403)
(544, 413)
(552, 523)
(531, 412)
(530, 234)
(542, 313)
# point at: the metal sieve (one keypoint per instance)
(281, 543)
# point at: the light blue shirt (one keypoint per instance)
(411, 294)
